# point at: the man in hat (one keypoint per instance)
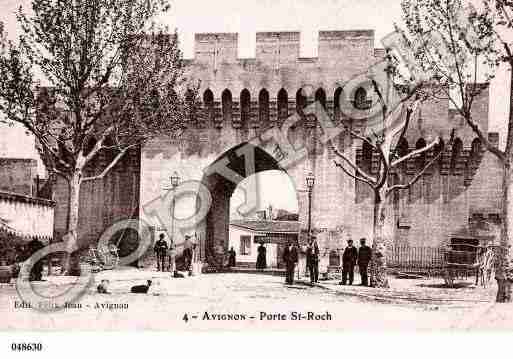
(172, 257)
(161, 252)
(187, 253)
(290, 258)
(364, 257)
(261, 262)
(348, 262)
(232, 258)
(312, 259)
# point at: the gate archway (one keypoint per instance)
(245, 160)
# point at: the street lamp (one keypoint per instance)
(175, 179)
(310, 181)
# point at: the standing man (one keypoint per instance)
(312, 259)
(172, 256)
(36, 272)
(231, 257)
(187, 253)
(348, 262)
(194, 259)
(290, 259)
(261, 262)
(364, 257)
(161, 252)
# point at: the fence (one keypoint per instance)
(429, 260)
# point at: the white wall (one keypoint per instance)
(236, 232)
(27, 219)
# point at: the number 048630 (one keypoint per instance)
(26, 347)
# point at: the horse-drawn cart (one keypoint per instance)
(463, 260)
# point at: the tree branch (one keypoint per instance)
(384, 169)
(384, 107)
(421, 173)
(405, 125)
(110, 166)
(415, 153)
(414, 179)
(363, 138)
(99, 144)
(357, 170)
(501, 155)
(358, 178)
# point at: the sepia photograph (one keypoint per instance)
(255, 166)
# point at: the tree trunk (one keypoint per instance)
(503, 270)
(502, 274)
(72, 264)
(378, 273)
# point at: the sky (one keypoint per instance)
(307, 16)
(275, 188)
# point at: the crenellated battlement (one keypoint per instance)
(281, 46)
(278, 64)
(277, 46)
(255, 92)
(220, 46)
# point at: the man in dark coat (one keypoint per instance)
(290, 258)
(188, 251)
(312, 260)
(231, 257)
(348, 262)
(171, 253)
(364, 257)
(261, 262)
(161, 252)
(36, 272)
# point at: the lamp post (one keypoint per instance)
(175, 179)
(310, 181)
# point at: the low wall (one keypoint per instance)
(27, 216)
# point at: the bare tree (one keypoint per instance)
(384, 142)
(459, 44)
(108, 78)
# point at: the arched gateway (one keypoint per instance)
(217, 168)
(245, 160)
(242, 98)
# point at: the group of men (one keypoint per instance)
(166, 259)
(166, 254)
(290, 257)
(350, 258)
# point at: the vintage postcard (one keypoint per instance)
(259, 165)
